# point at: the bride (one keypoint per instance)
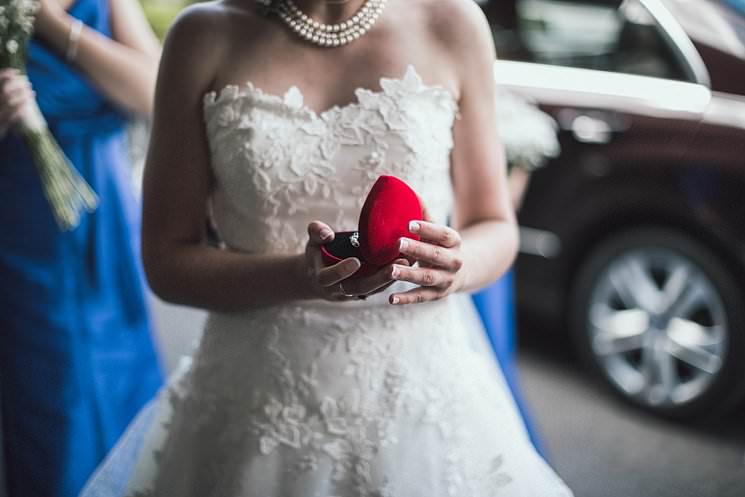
(273, 125)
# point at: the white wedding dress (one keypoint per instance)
(321, 399)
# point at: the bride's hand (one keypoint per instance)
(439, 257)
(331, 282)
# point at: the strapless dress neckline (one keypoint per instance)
(293, 99)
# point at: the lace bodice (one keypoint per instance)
(279, 165)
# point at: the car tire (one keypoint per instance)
(646, 352)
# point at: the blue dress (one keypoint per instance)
(76, 356)
(496, 307)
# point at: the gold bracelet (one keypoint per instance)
(72, 40)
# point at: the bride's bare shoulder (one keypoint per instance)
(212, 25)
(458, 24)
(459, 34)
(200, 39)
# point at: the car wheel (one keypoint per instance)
(659, 315)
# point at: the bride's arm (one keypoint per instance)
(180, 267)
(483, 211)
(483, 243)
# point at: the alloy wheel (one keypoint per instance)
(657, 326)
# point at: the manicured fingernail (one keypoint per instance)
(326, 234)
(395, 272)
(394, 299)
(402, 244)
(353, 263)
(414, 226)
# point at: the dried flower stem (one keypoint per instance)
(67, 192)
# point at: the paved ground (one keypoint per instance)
(604, 448)
(600, 446)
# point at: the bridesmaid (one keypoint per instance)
(76, 355)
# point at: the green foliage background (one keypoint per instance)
(161, 13)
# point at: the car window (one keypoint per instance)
(604, 35)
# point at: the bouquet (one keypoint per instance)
(528, 133)
(67, 192)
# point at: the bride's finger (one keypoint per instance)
(340, 271)
(420, 276)
(435, 233)
(376, 282)
(415, 296)
(428, 253)
(319, 233)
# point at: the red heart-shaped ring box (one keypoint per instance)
(384, 220)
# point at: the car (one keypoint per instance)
(633, 238)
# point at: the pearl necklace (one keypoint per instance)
(328, 35)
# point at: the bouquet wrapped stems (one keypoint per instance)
(66, 191)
